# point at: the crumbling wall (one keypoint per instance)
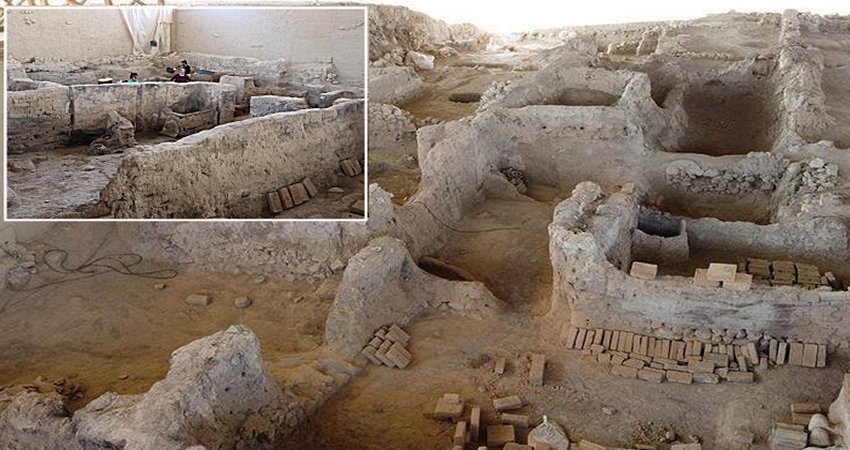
(388, 125)
(39, 116)
(263, 105)
(218, 394)
(210, 174)
(799, 95)
(264, 72)
(393, 85)
(600, 294)
(383, 285)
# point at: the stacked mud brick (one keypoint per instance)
(725, 275)
(388, 348)
(808, 427)
(350, 167)
(468, 429)
(291, 196)
(787, 273)
(632, 355)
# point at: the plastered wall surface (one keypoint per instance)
(299, 36)
(67, 34)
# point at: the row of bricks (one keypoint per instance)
(350, 167)
(387, 347)
(779, 352)
(291, 196)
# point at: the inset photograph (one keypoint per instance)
(185, 113)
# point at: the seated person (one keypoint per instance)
(185, 65)
(180, 76)
(134, 78)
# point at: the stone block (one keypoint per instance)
(396, 334)
(701, 366)
(741, 282)
(706, 378)
(795, 355)
(805, 408)
(517, 420)
(735, 376)
(650, 374)
(810, 355)
(285, 197)
(606, 339)
(580, 336)
(499, 367)
(507, 403)
(701, 279)
(644, 271)
(572, 334)
(781, 353)
(475, 423)
(198, 300)
(273, 200)
(399, 355)
(721, 272)
(312, 191)
(369, 353)
(299, 193)
(615, 340)
(784, 438)
(448, 409)
(603, 358)
(635, 363)
(460, 436)
(675, 376)
(588, 339)
(821, 356)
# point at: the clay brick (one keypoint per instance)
(718, 359)
(538, 366)
(821, 356)
(752, 353)
(598, 335)
(447, 409)
(356, 164)
(701, 367)
(299, 193)
(665, 348)
(596, 349)
(636, 340)
(801, 418)
(396, 334)
(382, 354)
(701, 279)
(515, 446)
(650, 374)
(399, 356)
(678, 350)
(572, 334)
(507, 403)
(773, 347)
(606, 339)
(810, 355)
(632, 362)
(786, 438)
(743, 362)
(197, 300)
(615, 340)
(721, 272)
(805, 408)
(604, 358)
(781, 353)
(624, 371)
(460, 436)
(347, 167)
(735, 376)
(286, 197)
(617, 360)
(795, 357)
(588, 339)
(517, 420)
(674, 376)
(644, 271)
(475, 423)
(499, 435)
(645, 359)
(587, 445)
(376, 342)
(312, 191)
(369, 353)
(644, 345)
(275, 206)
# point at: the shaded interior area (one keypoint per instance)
(727, 117)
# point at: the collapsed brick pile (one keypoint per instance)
(291, 196)
(632, 355)
(350, 167)
(387, 347)
(808, 428)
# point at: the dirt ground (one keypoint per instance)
(115, 332)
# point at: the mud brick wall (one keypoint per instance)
(39, 119)
(209, 173)
(598, 294)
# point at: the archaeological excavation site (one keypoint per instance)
(626, 236)
(185, 113)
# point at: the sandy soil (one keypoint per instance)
(114, 332)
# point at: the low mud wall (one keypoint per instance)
(215, 172)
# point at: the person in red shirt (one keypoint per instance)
(180, 76)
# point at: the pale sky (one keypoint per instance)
(524, 15)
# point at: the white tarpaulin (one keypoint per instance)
(147, 24)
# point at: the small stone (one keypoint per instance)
(159, 286)
(816, 163)
(124, 376)
(336, 190)
(259, 279)
(242, 302)
(608, 411)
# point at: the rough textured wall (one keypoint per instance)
(299, 36)
(68, 34)
(39, 118)
(598, 294)
(212, 173)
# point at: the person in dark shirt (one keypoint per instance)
(185, 65)
(180, 76)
